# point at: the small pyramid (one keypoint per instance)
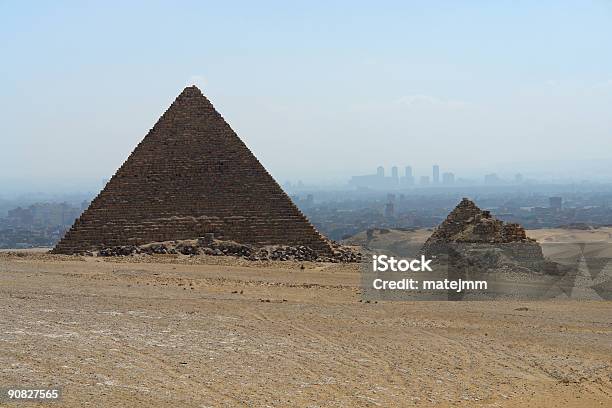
(472, 241)
(468, 227)
(469, 224)
(191, 175)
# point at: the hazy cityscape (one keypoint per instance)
(408, 178)
(343, 213)
(384, 199)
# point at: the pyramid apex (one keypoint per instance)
(466, 202)
(191, 90)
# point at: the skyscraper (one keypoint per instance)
(389, 210)
(436, 174)
(380, 171)
(408, 179)
(395, 174)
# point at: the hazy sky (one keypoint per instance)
(318, 90)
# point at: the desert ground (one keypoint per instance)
(551, 239)
(179, 331)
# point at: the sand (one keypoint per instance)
(181, 332)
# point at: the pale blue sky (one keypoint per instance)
(318, 90)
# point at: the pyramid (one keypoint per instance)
(191, 175)
(469, 228)
(467, 223)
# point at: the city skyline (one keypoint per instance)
(437, 177)
(517, 176)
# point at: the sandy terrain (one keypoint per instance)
(554, 241)
(603, 234)
(185, 333)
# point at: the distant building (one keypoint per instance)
(369, 181)
(377, 180)
(424, 180)
(541, 211)
(555, 203)
(436, 174)
(491, 179)
(21, 216)
(408, 179)
(395, 174)
(448, 179)
(389, 210)
(45, 215)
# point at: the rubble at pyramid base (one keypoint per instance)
(215, 247)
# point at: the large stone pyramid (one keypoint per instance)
(189, 176)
